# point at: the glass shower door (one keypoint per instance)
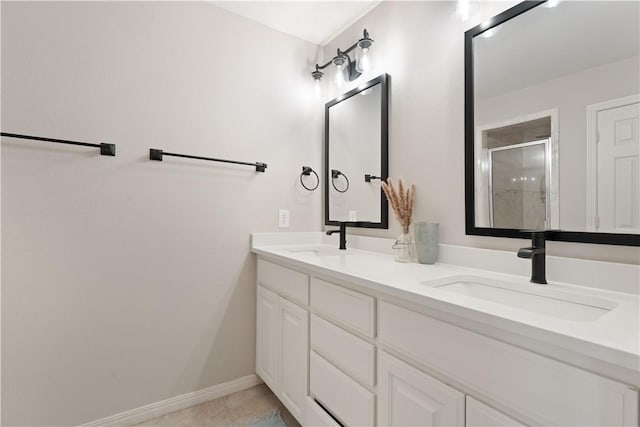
(518, 186)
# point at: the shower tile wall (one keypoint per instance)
(518, 202)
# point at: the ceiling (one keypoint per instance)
(315, 21)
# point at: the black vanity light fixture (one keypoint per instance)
(347, 68)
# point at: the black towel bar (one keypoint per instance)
(105, 149)
(156, 154)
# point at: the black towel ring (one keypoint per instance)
(336, 174)
(307, 171)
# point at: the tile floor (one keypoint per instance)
(237, 409)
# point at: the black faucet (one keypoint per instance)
(536, 253)
(343, 234)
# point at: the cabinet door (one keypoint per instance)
(409, 397)
(481, 415)
(267, 327)
(294, 356)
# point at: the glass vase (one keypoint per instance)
(404, 248)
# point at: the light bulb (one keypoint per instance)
(364, 62)
(339, 62)
(317, 83)
(462, 9)
(339, 75)
(362, 55)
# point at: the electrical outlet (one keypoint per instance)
(283, 218)
(353, 216)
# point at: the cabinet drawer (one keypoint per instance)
(315, 416)
(348, 352)
(481, 415)
(346, 307)
(539, 388)
(288, 283)
(352, 404)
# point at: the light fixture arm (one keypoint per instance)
(364, 42)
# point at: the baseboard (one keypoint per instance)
(158, 409)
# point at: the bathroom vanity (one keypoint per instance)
(354, 338)
(350, 337)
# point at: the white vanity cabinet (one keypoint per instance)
(333, 354)
(282, 335)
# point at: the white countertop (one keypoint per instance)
(612, 340)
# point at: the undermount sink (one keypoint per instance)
(540, 299)
(321, 251)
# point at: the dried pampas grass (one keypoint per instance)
(401, 201)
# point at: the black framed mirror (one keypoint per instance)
(552, 112)
(356, 142)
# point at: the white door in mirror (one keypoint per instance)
(618, 170)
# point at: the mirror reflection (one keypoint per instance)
(556, 119)
(356, 147)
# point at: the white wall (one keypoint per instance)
(126, 281)
(421, 45)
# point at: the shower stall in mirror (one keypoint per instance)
(516, 175)
(517, 188)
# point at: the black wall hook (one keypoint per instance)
(369, 178)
